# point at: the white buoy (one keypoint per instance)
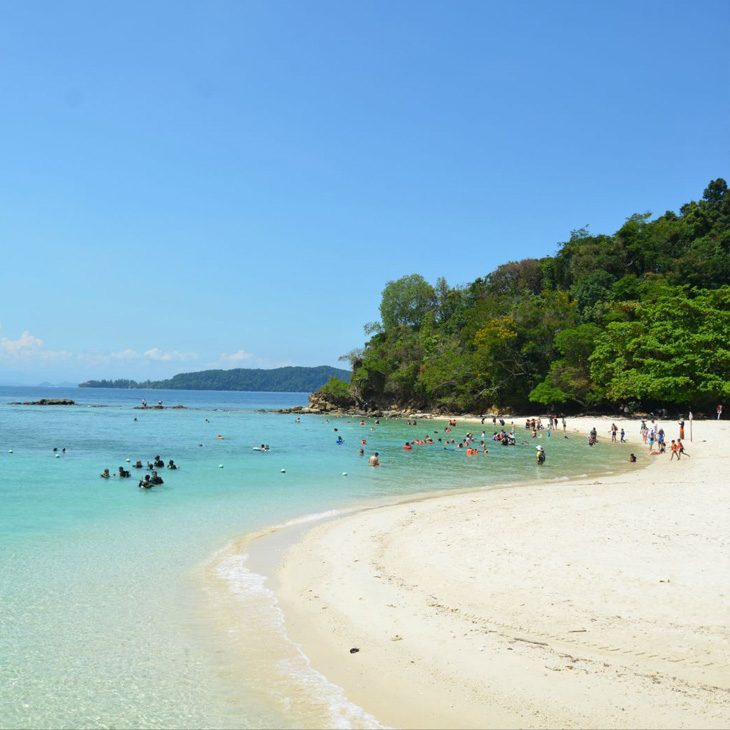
(58, 456)
(127, 460)
(10, 451)
(220, 466)
(283, 471)
(344, 473)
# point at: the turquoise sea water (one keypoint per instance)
(100, 606)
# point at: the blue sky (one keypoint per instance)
(231, 184)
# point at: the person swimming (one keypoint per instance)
(138, 465)
(105, 474)
(145, 483)
(373, 460)
(158, 462)
(340, 440)
(172, 465)
(123, 473)
(155, 479)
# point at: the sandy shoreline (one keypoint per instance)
(596, 602)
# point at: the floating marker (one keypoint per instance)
(283, 471)
(10, 451)
(344, 473)
(58, 456)
(220, 466)
(128, 460)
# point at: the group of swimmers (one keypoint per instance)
(149, 480)
(470, 446)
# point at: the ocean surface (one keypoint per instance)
(130, 608)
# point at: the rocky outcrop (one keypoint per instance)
(319, 405)
(47, 402)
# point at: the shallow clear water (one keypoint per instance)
(100, 605)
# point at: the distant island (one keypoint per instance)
(282, 380)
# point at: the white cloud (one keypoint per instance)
(29, 349)
(153, 354)
(236, 357)
(157, 354)
(24, 344)
(125, 355)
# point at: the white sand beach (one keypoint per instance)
(598, 602)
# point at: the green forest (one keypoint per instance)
(282, 380)
(638, 321)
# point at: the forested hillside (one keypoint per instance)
(637, 319)
(282, 380)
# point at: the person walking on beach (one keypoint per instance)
(680, 447)
(719, 412)
(614, 429)
(623, 436)
(681, 428)
(675, 451)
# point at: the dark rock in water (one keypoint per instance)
(354, 650)
(47, 402)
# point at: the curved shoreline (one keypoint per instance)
(420, 590)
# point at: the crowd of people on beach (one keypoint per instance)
(651, 435)
(654, 436)
(153, 479)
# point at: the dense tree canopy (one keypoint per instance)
(640, 318)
